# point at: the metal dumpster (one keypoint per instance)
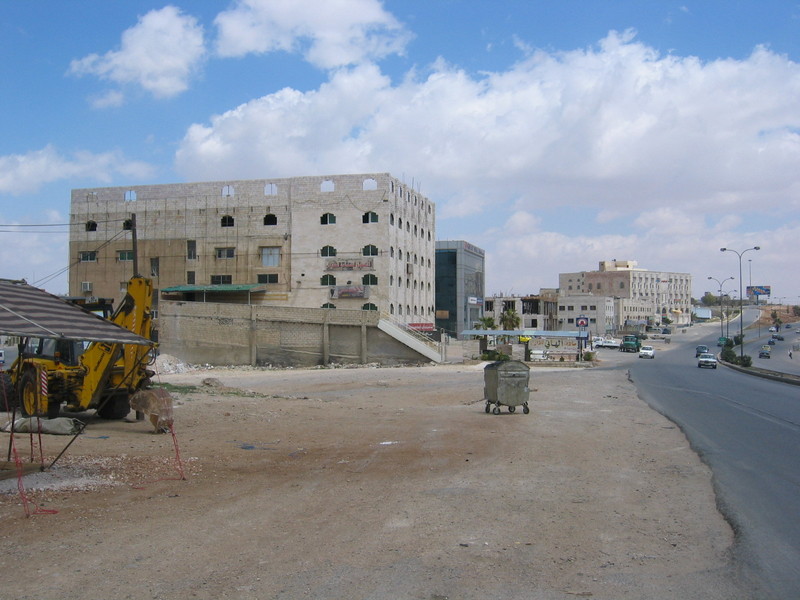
(506, 384)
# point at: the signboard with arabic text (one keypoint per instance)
(349, 264)
(559, 343)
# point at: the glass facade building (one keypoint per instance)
(459, 286)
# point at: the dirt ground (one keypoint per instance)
(372, 483)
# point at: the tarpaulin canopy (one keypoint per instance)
(27, 311)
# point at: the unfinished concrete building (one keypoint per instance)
(342, 242)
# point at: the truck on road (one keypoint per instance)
(630, 343)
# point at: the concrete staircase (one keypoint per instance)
(411, 338)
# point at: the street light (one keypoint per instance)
(741, 309)
(721, 320)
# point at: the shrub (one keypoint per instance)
(588, 356)
(728, 355)
(494, 355)
(746, 361)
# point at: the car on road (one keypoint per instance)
(773, 329)
(700, 350)
(707, 360)
(777, 336)
(765, 352)
(647, 352)
(771, 342)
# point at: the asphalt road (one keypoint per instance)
(748, 430)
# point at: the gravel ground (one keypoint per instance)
(376, 484)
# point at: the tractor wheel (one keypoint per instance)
(8, 396)
(115, 408)
(29, 401)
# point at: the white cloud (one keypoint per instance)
(681, 154)
(25, 173)
(329, 34)
(160, 53)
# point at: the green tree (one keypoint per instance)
(510, 319)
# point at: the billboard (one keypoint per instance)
(758, 290)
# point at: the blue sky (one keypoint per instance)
(553, 134)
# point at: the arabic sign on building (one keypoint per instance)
(350, 291)
(421, 326)
(349, 264)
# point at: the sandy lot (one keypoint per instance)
(376, 484)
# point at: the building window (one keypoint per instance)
(191, 249)
(369, 279)
(270, 219)
(328, 251)
(226, 221)
(598, 285)
(369, 306)
(221, 279)
(570, 308)
(369, 250)
(91, 226)
(622, 285)
(270, 256)
(570, 320)
(592, 307)
(225, 252)
(154, 267)
(561, 307)
(130, 196)
(327, 219)
(267, 278)
(227, 190)
(391, 219)
(327, 280)
(584, 307)
(328, 305)
(271, 189)
(327, 186)
(369, 184)
(124, 255)
(190, 277)
(369, 217)
(88, 256)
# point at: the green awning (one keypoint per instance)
(221, 287)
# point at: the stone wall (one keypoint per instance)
(237, 334)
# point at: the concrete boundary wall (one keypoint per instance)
(240, 334)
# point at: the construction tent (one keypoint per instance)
(27, 311)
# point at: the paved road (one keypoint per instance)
(748, 431)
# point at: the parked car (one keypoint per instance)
(700, 350)
(707, 360)
(647, 352)
(608, 343)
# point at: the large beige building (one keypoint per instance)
(643, 297)
(363, 242)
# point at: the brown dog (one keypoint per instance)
(156, 403)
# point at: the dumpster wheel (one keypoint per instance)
(496, 410)
(525, 408)
(488, 406)
(511, 409)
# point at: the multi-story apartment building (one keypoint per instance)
(362, 242)
(460, 268)
(650, 296)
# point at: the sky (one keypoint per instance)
(552, 134)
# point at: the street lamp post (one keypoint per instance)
(721, 320)
(741, 309)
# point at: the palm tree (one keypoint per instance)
(509, 320)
